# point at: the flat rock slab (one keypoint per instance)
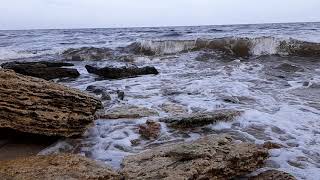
(201, 119)
(121, 72)
(63, 166)
(128, 112)
(212, 157)
(37, 106)
(42, 69)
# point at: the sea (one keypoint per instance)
(271, 72)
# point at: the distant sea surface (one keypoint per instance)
(47, 43)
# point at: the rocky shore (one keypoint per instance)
(34, 107)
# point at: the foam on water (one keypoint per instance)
(276, 108)
(271, 111)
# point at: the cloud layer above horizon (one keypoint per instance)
(42, 14)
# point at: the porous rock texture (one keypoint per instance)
(212, 157)
(201, 119)
(273, 175)
(37, 106)
(54, 167)
(42, 69)
(150, 130)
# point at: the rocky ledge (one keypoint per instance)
(63, 166)
(121, 72)
(200, 119)
(42, 69)
(37, 106)
(212, 157)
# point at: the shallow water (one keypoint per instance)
(278, 105)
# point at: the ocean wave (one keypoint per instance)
(172, 34)
(215, 30)
(240, 47)
(9, 54)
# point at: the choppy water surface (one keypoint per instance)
(280, 104)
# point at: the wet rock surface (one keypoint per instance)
(201, 119)
(211, 157)
(273, 175)
(42, 69)
(272, 145)
(87, 53)
(100, 91)
(128, 112)
(62, 166)
(290, 68)
(173, 108)
(121, 72)
(150, 130)
(37, 106)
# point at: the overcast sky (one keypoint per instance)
(39, 14)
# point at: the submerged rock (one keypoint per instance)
(42, 69)
(290, 68)
(173, 108)
(150, 130)
(201, 119)
(122, 72)
(273, 175)
(128, 112)
(63, 166)
(100, 91)
(120, 95)
(272, 145)
(37, 106)
(212, 157)
(87, 53)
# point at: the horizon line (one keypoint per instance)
(161, 26)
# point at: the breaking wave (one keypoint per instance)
(239, 47)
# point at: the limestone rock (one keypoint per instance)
(63, 166)
(200, 119)
(150, 130)
(272, 145)
(273, 175)
(129, 112)
(42, 69)
(173, 108)
(212, 157)
(121, 72)
(87, 53)
(37, 106)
